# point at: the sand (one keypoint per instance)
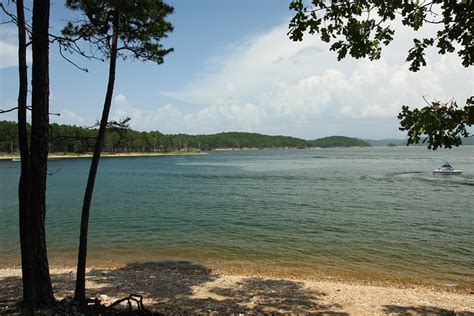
(109, 155)
(181, 287)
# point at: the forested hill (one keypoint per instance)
(337, 141)
(67, 138)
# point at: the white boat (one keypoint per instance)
(446, 168)
(16, 159)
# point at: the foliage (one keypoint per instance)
(140, 25)
(74, 139)
(338, 141)
(444, 124)
(8, 136)
(237, 140)
(361, 28)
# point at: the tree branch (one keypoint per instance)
(70, 61)
(9, 110)
(28, 108)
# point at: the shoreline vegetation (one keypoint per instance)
(74, 139)
(79, 140)
(183, 287)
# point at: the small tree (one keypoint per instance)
(360, 28)
(116, 29)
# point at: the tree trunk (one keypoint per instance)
(80, 291)
(25, 176)
(39, 151)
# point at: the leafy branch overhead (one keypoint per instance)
(140, 26)
(445, 124)
(360, 28)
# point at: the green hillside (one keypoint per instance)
(337, 141)
(238, 140)
(67, 138)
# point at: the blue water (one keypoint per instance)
(362, 213)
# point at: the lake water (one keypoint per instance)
(359, 213)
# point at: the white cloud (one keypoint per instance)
(169, 119)
(8, 55)
(270, 84)
(9, 48)
(254, 64)
(69, 117)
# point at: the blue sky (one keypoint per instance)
(234, 69)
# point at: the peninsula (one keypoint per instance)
(69, 139)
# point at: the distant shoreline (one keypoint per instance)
(4, 156)
(111, 155)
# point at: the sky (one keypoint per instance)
(235, 69)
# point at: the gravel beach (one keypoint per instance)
(182, 287)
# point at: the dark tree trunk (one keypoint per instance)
(80, 292)
(25, 176)
(39, 151)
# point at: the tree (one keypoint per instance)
(39, 151)
(116, 29)
(24, 186)
(360, 28)
(37, 287)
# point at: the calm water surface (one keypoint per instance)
(375, 213)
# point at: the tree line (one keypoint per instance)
(74, 139)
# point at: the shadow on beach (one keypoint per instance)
(421, 310)
(183, 287)
(270, 295)
(10, 292)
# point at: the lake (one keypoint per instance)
(375, 214)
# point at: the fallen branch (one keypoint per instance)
(93, 306)
(138, 299)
